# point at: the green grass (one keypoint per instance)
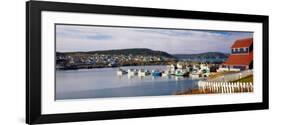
(245, 79)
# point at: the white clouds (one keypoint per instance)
(91, 38)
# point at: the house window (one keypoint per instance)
(245, 49)
(241, 49)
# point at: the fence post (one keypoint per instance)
(221, 88)
(236, 87)
(244, 87)
(226, 87)
(217, 87)
(248, 87)
(251, 86)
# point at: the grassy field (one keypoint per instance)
(218, 74)
(245, 79)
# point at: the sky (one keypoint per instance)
(73, 38)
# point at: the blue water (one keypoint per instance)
(105, 83)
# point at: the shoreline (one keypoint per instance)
(86, 66)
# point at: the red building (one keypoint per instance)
(241, 57)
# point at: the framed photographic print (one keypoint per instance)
(95, 62)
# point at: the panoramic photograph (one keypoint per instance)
(112, 61)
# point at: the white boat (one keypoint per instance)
(132, 72)
(166, 73)
(143, 72)
(121, 72)
(181, 72)
(195, 75)
(205, 70)
(172, 67)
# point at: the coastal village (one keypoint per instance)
(236, 71)
(104, 60)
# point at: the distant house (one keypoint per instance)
(241, 57)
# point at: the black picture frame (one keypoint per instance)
(33, 61)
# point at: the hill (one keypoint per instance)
(202, 57)
(133, 51)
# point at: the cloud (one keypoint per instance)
(91, 38)
(98, 37)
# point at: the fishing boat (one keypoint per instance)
(181, 72)
(155, 73)
(195, 74)
(132, 72)
(121, 72)
(143, 72)
(205, 70)
(166, 73)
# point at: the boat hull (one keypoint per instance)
(156, 74)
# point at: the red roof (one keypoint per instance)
(239, 59)
(243, 43)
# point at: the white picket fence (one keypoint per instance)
(232, 76)
(225, 87)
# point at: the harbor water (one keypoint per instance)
(105, 83)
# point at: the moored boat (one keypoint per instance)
(155, 73)
(195, 74)
(166, 73)
(143, 72)
(181, 72)
(132, 72)
(121, 72)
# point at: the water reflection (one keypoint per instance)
(104, 82)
